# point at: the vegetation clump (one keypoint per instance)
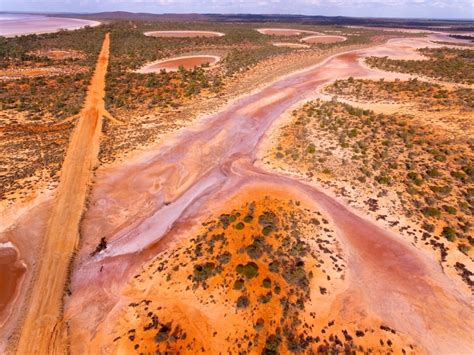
(249, 270)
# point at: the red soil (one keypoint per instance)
(11, 275)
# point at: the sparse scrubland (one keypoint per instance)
(213, 243)
(241, 48)
(255, 279)
(421, 94)
(33, 102)
(154, 104)
(44, 78)
(58, 89)
(391, 166)
(447, 64)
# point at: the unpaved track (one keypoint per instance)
(40, 333)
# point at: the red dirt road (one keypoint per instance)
(40, 333)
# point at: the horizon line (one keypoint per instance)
(230, 13)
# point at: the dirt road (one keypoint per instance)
(40, 333)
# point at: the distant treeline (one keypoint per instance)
(455, 25)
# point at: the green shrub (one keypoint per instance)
(249, 270)
(203, 271)
(449, 233)
(272, 344)
(431, 212)
(238, 284)
(239, 226)
(433, 173)
(267, 230)
(450, 209)
(383, 179)
(458, 174)
(267, 283)
(463, 248)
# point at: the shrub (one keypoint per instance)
(458, 174)
(267, 230)
(296, 276)
(242, 302)
(254, 250)
(431, 212)
(259, 324)
(163, 333)
(428, 227)
(274, 266)
(226, 219)
(433, 173)
(224, 258)
(267, 218)
(383, 179)
(272, 344)
(203, 272)
(463, 248)
(449, 233)
(249, 270)
(239, 226)
(267, 283)
(265, 298)
(238, 284)
(450, 209)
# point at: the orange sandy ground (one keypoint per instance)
(165, 307)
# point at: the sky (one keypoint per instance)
(452, 9)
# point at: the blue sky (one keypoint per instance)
(367, 8)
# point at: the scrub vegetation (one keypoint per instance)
(260, 289)
(44, 79)
(447, 64)
(424, 95)
(430, 173)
